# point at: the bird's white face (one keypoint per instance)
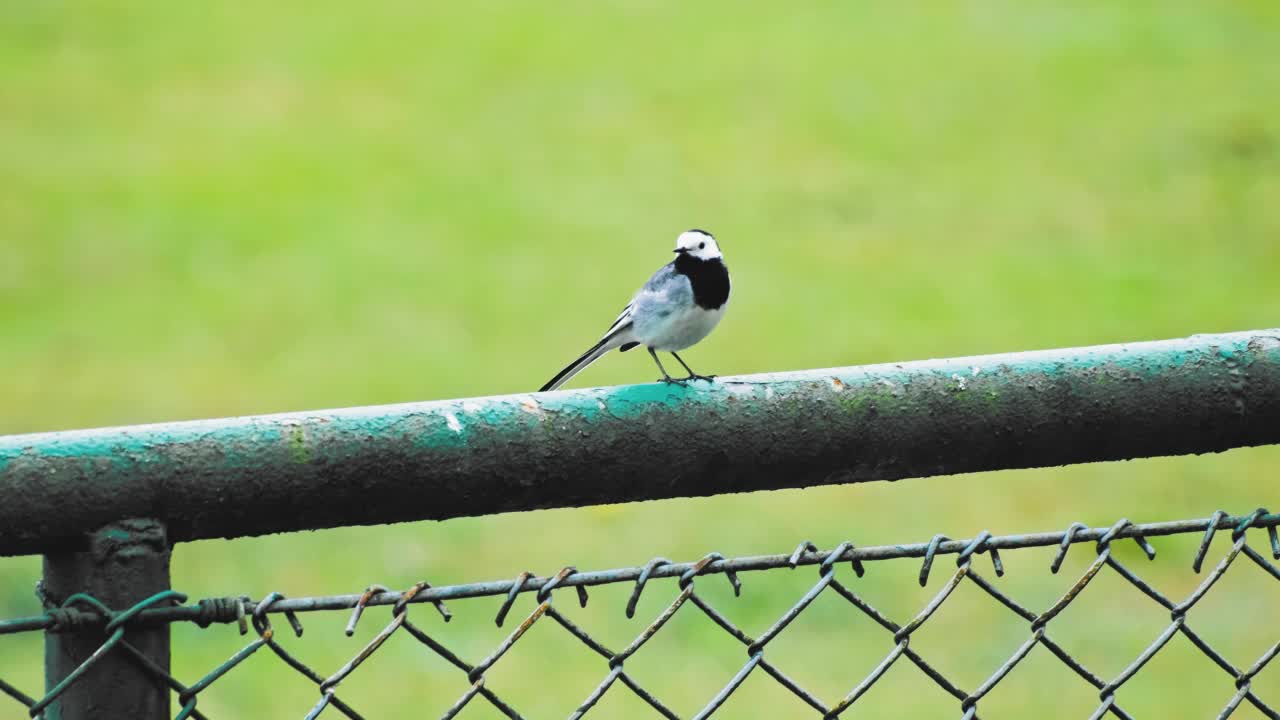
(698, 244)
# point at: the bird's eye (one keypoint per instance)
(701, 245)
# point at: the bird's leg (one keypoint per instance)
(692, 375)
(665, 377)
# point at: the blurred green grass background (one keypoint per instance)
(211, 210)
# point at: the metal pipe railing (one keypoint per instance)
(437, 460)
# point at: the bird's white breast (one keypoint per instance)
(678, 330)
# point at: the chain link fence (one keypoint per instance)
(84, 614)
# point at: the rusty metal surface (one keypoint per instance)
(127, 564)
(436, 460)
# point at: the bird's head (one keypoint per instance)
(698, 244)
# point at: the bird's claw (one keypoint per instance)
(686, 380)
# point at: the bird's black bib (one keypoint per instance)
(709, 279)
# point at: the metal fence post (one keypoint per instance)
(126, 562)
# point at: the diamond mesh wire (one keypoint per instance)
(81, 613)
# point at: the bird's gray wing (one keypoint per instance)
(659, 284)
(665, 292)
(623, 318)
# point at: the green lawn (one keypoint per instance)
(212, 211)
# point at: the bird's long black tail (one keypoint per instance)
(607, 343)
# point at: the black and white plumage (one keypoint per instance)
(679, 306)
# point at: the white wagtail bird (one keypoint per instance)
(679, 306)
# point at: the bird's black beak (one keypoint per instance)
(681, 251)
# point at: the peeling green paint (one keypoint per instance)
(517, 452)
(298, 443)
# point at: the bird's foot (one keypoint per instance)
(668, 380)
(708, 378)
